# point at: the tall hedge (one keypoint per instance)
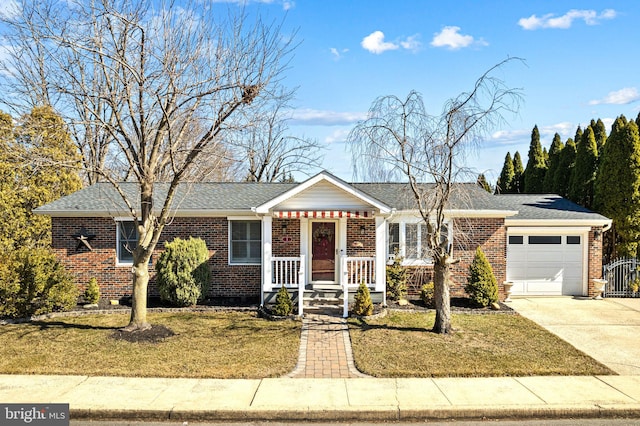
(183, 272)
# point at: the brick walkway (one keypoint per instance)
(325, 349)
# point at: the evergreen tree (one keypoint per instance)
(554, 161)
(578, 137)
(581, 189)
(518, 174)
(638, 120)
(482, 286)
(600, 133)
(566, 166)
(505, 182)
(617, 189)
(482, 183)
(536, 167)
(38, 164)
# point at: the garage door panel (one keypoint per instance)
(543, 287)
(545, 269)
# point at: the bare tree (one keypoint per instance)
(164, 84)
(265, 149)
(400, 140)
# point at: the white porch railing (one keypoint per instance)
(290, 272)
(354, 271)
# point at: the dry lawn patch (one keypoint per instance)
(205, 345)
(402, 345)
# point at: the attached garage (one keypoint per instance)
(554, 247)
(547, 263)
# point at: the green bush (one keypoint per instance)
(396, 279)
(362, 304)
(92, 292)
(284, 304)
(183, 271)
(426, 294)
(481, 285)
(34, 282)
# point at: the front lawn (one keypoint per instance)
(212, 345)
(402, 345)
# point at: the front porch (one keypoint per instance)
(323, 297)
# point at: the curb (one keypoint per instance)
(369, 414)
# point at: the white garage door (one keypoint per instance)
(545, 265)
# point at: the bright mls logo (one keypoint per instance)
(34, 414)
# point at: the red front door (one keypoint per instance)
(323, 251)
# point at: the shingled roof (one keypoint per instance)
(218, 198)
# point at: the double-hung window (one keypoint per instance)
(127, 241)
(245, 241)
(410, 238)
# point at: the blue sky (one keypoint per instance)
(582, 62)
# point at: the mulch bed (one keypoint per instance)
(461, 305)
(154, 334)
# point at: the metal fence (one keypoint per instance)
(623, 278)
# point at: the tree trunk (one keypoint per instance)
(441, 273)
(138, 320)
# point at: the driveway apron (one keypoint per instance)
(608, 330)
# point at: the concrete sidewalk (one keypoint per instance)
(285, 399)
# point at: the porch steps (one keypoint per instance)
(323, 301)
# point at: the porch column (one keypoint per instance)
(381, 256)
(342, 242)
(267, 255)
(304, 244)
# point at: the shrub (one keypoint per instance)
(396, 279)
(284, 304)
(34, 282)
(481, 286)
(92, 292)
(183, 271)
(362, 304)
(426, 294)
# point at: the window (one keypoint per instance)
(545, 239)
(573, 239)
(516, 239)
(245, 241)
(127, 241)
(411, 239)
(394, 239)
(417, 246)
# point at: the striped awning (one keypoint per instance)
(323, 214)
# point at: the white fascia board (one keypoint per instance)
(546, 230)
(323, 176)
(550, 223)
(459, 213)
(122, 214)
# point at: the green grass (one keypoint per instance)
(212, 345)
(402, 345)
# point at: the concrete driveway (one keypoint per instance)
(608, 330)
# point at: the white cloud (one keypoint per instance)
(9, 8)
(375, 43)
(310, 116)
(337, 136)
(412, 43)
(286, 4)
(337, 53)
(590, 17)
(619, 97)
(451, 38)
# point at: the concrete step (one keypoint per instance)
(329, 301)
(323, 309)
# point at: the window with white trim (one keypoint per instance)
(245, 241)
(411, 239)
(127, 241)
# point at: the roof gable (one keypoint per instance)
(323, 191)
